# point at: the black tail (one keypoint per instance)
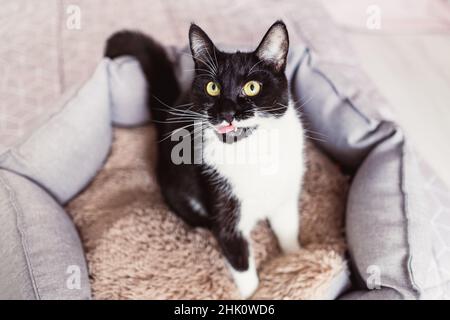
(155, 63)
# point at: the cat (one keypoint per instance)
(238, 102)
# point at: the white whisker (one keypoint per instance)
(251, 69)
(208, 65)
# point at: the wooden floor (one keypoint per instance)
(413, 72)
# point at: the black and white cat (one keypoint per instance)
(251, 141)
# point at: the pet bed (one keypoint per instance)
(396, 210)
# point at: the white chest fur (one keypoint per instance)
(264, 170)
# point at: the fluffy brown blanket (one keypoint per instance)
(137, 249)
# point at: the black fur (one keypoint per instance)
(183, 183)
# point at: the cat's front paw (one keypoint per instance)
(246, 281)
(290, 246)
(248, 285)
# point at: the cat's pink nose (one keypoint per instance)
(228, 116)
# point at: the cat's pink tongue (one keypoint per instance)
(226, 128)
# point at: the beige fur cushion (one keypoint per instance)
(137, 249)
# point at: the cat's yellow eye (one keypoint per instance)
(212, 88)
(251, 88)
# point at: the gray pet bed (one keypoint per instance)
(397, 218)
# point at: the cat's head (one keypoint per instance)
(238, 91)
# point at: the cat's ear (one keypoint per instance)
(274, 46)
(202, 48)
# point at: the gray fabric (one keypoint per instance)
(382, 294)
(64, 153)
(391, 209)
(337, 125)
(128, 92)
(39, 246)
(376, 218)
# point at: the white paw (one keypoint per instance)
(290, 246)
(246, 281)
